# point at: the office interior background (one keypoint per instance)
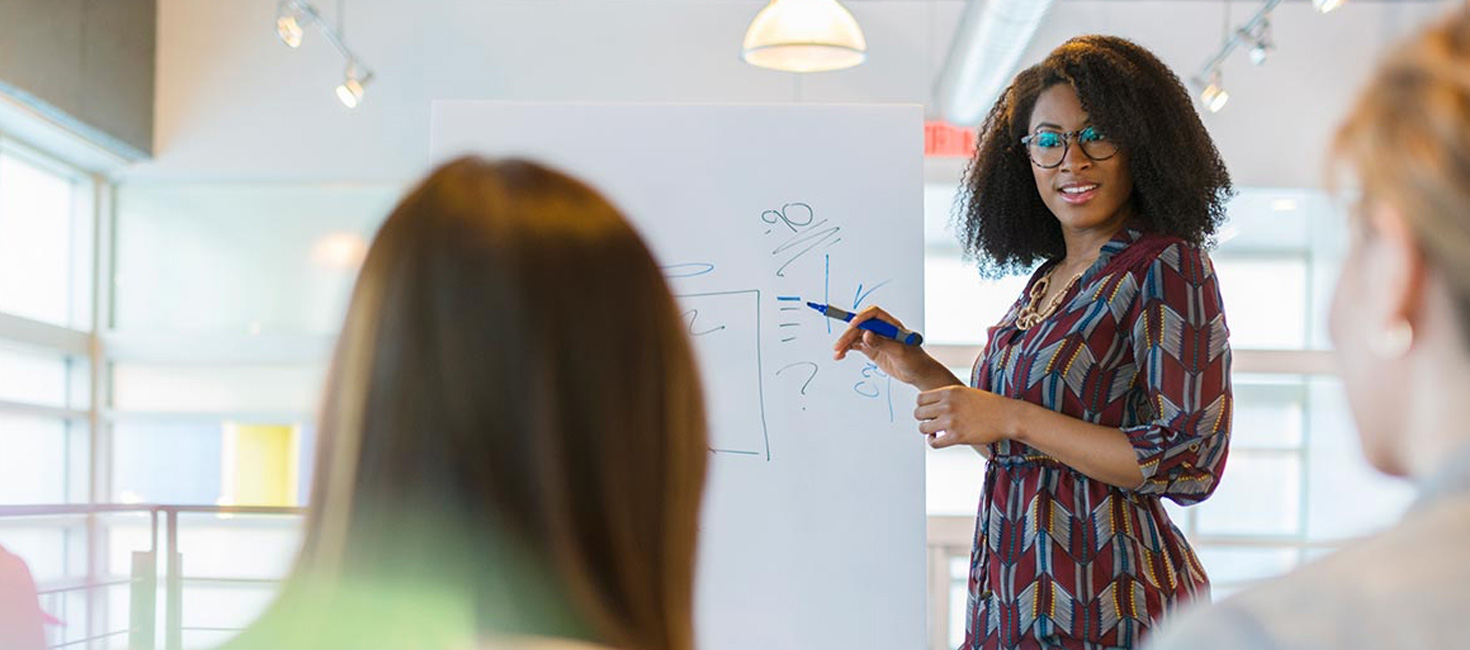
(185, 199)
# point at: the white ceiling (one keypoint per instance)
(233, 103)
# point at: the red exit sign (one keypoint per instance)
(945, 140)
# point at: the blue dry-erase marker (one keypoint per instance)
(881, 328)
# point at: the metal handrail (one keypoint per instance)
(81, 585)
(145, 568)
(43, 510)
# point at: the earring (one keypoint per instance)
(1394, 341)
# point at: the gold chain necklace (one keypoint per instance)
(1029, 315)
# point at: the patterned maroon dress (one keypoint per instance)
(1065, 561)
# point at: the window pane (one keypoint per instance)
(241, 259)
(1345, 496)
(118, 599)
(171, 388)
(33, 377)
(71, 608)
(1270, 412)
(192, 462)
(166, 463)
(36, 237)
(33, 460)
(222, 608)
(1236, 564)
(1305, 224)
(1266, 302)
(256, 547)
(220, 547)
(1260, 494)
(44, 542)
(1270, 219)
(939, 205)
(126, 533)
(958, 305)
(952, 480)
(959, 599)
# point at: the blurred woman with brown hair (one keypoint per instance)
(512, 446)
(1401, 325)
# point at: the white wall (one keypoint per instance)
(234, 103)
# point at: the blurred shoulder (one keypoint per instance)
(1401, 588)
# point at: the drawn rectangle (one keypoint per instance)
(725, 328)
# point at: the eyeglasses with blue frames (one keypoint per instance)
(1048, 148)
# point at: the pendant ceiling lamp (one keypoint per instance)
(804, 36)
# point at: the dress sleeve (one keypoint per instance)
(1182, 391)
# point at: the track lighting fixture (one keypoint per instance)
(1257, 35)
(292, 18)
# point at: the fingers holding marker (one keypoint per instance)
(853, 333)
(871, 319)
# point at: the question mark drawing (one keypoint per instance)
(809, 378)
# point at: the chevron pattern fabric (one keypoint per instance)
(1065, 561)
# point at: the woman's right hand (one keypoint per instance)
(909, 364)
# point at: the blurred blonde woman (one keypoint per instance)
(512, 446)
(1401, 325)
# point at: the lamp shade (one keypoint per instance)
(804, 36)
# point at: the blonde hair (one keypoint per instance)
(1408, 138)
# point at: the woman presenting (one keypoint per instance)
(1106, 387)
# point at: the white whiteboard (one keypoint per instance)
(813, 528)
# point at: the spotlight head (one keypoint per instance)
(1215, 98)
(1214, 95)
(289, 30)
(288, 23)
(1258, 53)
(1326, 6)
(349, 92)
(1261, 42)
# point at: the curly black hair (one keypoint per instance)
(1180, 185)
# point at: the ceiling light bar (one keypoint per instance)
(292, 18)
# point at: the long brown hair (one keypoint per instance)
(514, 411)
(1408, 139)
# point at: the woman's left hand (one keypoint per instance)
(957, 415)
